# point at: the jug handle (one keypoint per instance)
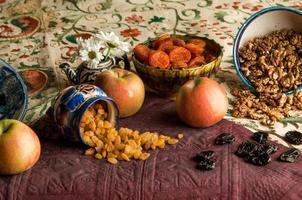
(123, 58)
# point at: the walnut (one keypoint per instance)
(272, 64)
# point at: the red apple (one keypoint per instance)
(125, 87)
(19, 147)
(201, 102)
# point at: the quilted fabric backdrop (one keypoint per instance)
(38, 34)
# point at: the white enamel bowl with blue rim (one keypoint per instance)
(261, 23)
(13, 93)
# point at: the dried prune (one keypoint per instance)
(207, 164)
(260, 137)
(260, 159)
(246, 148)
(290, 155)
(204, 155)
(254, 153)
(224, 138)
(270, 148)
(293, 137)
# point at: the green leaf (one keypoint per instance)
(29, 116)
(66, 20)
(52, 24)
(220, 15)
(71, 39)
(34, 52)
(106, 5)
(156, 19)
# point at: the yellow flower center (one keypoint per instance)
(92, 55)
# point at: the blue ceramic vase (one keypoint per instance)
(71, 104)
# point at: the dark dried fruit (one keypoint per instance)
(293, 137)
(290, 155)
(254, 153)
(205, 155)
(224, 138)
(207, 164)
(206, 160)
(270, 148)
(260, 137)
(261, 159)
(246, 148)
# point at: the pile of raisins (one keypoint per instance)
(257, 152)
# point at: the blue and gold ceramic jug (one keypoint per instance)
(71, 104)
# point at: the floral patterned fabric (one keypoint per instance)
(39, 35)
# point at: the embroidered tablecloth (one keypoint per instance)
(38, 34)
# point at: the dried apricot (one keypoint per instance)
(166, 44)
(141, 52)
(159, 59)
(158, 41)
(180, 54)
(198, 60)
(178, 42)
(179, 65)
(198, 42)
(195, 49)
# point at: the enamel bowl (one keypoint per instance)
(261, 23)
(13, 93)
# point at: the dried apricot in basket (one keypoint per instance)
(158, 41)
(198, 60)
(180, 54)
(159, 59)
(195, 49)
(141, 51)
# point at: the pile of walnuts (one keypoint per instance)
(273, 65)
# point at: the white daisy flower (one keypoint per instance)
(114, 46)
(90, 51)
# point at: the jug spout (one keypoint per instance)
(70, 73)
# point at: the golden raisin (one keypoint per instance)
(112, 160)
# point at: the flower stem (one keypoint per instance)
(107, 54)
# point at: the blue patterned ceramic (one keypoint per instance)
(13, 93)
(71, 104)
(84, 74)
(261, 23)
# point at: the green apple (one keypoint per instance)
(125, 87)
(19, 147)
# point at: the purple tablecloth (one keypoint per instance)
(63, 172)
